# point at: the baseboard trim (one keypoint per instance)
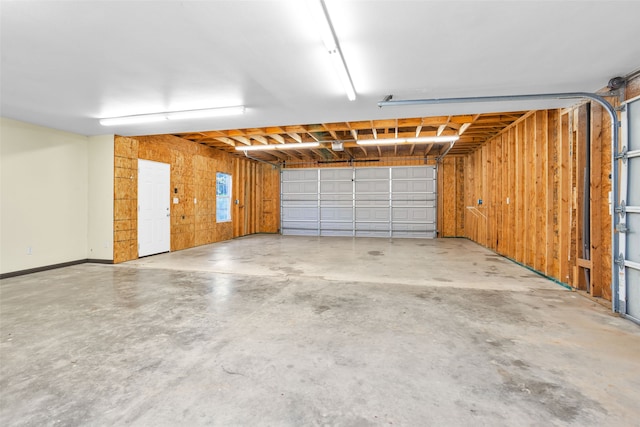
(100, 261)
(53, 267)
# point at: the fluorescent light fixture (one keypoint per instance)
(319, 12)
(292, 146)
(323, 25)
(419, 140)
(173, 115)
(343, 73)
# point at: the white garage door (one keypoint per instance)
(367, 202)
(629, 231)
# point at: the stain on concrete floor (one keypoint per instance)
(142, 345)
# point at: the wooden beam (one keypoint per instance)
(260, 139)
(295, 136)
(227, 141)
(463, 128)
(278, 138)
(584, 263)
(242, 139)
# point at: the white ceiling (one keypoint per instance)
(67, 63)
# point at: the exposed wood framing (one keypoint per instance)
(473, 131)
(193, 174)
(530, 178)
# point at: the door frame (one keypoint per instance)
(165, 206)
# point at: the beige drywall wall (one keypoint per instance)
(44, 196)
(100, 238)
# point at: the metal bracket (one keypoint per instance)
(619, 261)
(622, 155)
(621, 227)
(621, 209)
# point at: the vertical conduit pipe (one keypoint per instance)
(615, 126)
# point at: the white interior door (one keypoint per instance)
(154, 217)
(629, 235)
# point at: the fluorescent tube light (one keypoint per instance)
(173, 115)
(292, 146)
(343, 74)
(419, 140)
(323, 23)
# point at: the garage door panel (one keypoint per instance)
(409, 226)
(302, 224)
(372, 173)
(336, 203)
(336, 174)
(300, 213)
(412, 197)
(372, 229)
(300, 202)
(368, 187)
(373, 202)
(336, 187)
(300, 187)
(372, 214)
(629, 217)
(413, 186)
(413, 172)
(632, 221)
(292, 231)
(633, 197)
(414, 234)
(412, 214)
(334, 213)
(300, 175)
(334, 225)
(633, 292)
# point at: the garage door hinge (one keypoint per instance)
(621, 209)
(621, 227)
(619, 261)
(622, 155)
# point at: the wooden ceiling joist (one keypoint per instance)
(473, 130)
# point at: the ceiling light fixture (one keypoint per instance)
(419, 140)
(173, 115)
(292, 146)
(325, 28)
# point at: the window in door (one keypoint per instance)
(223, 197)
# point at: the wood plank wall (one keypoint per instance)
(193, 175)
(522, 195)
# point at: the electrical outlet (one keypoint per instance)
(29, 250)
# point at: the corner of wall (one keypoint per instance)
(100, 197)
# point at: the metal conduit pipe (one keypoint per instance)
(615, 126)
(441, 156)
(275, 165)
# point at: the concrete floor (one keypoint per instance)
(291, 331)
